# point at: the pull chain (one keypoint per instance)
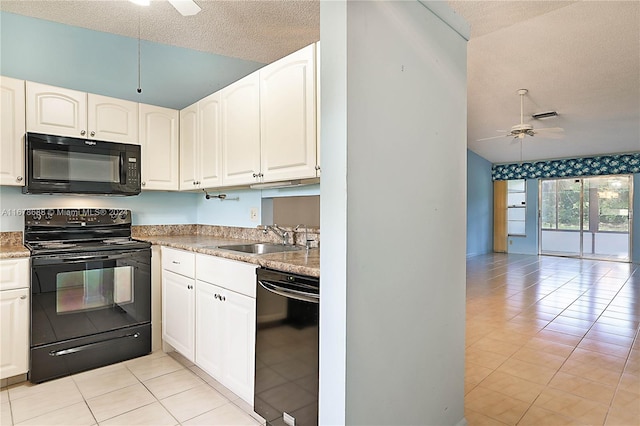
(139, 90)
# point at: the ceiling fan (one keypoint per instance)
(185, 7)
(521, 130)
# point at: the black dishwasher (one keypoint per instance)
(287, 341)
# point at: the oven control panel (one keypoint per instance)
(77, 217)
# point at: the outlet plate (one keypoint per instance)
(253, 214)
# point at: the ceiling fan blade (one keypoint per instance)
(550, 130)
(493, 137)
(185, 7)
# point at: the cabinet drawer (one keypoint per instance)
(230, 274)
(179, 261)
(14, 273)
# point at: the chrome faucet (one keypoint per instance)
(278, 231)
(306, 236)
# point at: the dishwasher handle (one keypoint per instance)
(287, 292)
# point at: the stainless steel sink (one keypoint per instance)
(260, 248)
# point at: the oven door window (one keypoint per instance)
(87, 290)
(75, 166)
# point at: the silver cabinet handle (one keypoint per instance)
(144, 183)
(317, 167)
(83, 132)
(255, 175)
(175, 262)
(93, 133)
(23, 297)
(19, 178)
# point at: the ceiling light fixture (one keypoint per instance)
(185, 7)
(141, 2)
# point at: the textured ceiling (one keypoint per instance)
(581, 59)
(260, 31)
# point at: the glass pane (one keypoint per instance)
(516, 185)
(79, 166)
(78, 291)
(516, 213)
(516, 199)
(516, 227)
(549, 212)
(569, 204)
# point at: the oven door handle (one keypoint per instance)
(83, 258)
(92, 345)
(287, 292)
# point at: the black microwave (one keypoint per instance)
(65, 165)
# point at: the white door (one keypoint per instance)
(189, 172)
(210, 156)
(288, 117)
(159, 140)
(239, 344)
(111, 119)
(12, 129)
(56, 111)
(209, 328)
(14, 332)
(178, 302)
(241, 131)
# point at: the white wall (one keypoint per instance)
(392, 216)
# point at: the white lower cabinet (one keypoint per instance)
(209, 315)
(226, 322)
(14, 317)
(178, 301)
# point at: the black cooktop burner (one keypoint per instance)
(51, 231)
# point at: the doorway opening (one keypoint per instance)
(586, 217)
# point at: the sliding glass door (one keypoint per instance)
(586, 217)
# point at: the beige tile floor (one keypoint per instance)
(552, 341)
(158, 389)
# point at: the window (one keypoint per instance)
(516, 206)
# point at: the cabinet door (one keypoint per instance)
(209, 328)
(288, 117)
(159, 140)
(241, 131)
(188, 141)
(318, 110)
(210, 153)
(12, 129)
(56, 111)
(178, 302)
(14, 332)
(239, 344)
(111, 119)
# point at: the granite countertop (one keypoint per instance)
(11, 251)
(11, 245)
(297, 262)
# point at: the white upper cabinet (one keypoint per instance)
(159, 140)
(12, 129)
(54, 110)
(210, 148)
(200, 148)
(112, 119)
(65, 112)
(288, 117)
(188, 145)
(241, 131)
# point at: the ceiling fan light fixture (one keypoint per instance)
(546, 114)
(141, 2)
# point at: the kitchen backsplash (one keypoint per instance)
(230, 232)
